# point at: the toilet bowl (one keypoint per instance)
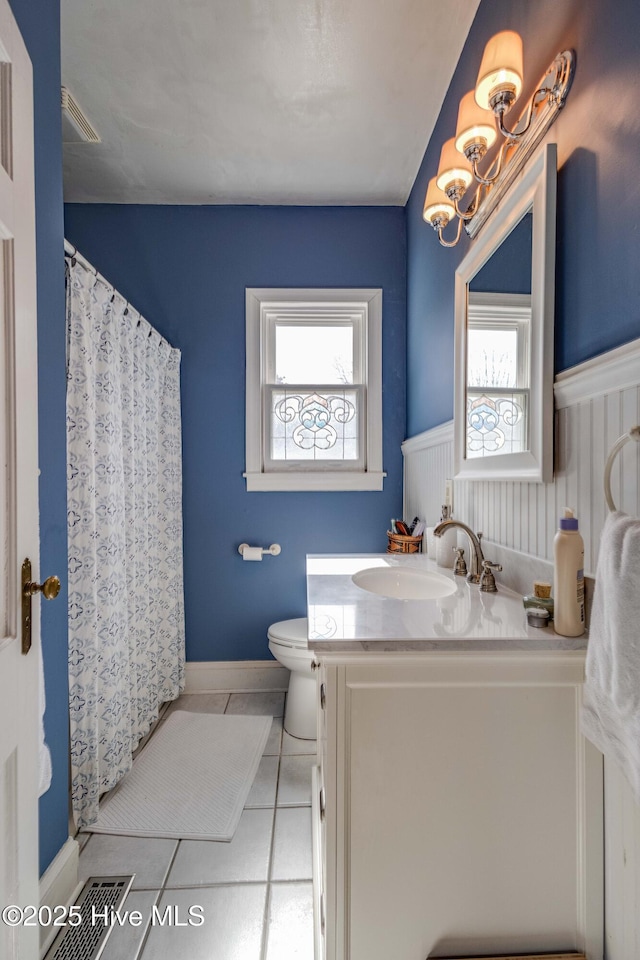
(288, 644)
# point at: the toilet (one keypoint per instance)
(288, 644)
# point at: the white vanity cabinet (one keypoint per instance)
(457, 810)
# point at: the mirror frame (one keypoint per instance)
(534, 190)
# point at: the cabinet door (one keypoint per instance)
(319, 819)
(319, 872)
(466, 809)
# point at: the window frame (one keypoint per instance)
(500, 311)
(505, 311)
(362, 309)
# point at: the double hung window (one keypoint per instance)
(314, 397)
(498, 346)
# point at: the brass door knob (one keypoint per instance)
(49, 589)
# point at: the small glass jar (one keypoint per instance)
(541, 597)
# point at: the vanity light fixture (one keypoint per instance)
(482, 115)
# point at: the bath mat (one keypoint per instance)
(191, 780)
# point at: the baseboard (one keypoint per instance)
(240, 676)
(59, 886)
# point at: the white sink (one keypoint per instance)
(402, 583)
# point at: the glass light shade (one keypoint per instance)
(501, 66)
(453, 167)
(474, 124)
(437, 205)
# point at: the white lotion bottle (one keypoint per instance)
(447, 543)
(568, 578)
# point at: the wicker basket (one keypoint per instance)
(400, 544)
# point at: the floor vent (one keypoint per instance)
(98, 898)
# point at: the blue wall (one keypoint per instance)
(597, 276)
(508, 269)
(186, 269)
(39, 22)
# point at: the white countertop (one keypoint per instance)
(344, 617)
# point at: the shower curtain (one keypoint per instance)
(124, 508)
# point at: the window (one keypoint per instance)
(498, 344)
(314, 389)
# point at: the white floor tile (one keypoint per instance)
(294, 782)
(227, 879)
(274, 742)
(148, 858)
(290, 930)
(200, 703)
(245, 858)
(263, 789)
(232, 928)
(125, 941)
(293, 746)
(292, 844)
(265, 703)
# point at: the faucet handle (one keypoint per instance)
(460, 569)
(487, 580)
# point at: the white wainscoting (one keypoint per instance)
(596, 402)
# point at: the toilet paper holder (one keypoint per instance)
(257, 553)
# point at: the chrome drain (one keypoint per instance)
(86, 940)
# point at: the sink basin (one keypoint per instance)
(402, 583)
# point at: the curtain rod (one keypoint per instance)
(72, 253)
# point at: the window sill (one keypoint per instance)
(329, 480)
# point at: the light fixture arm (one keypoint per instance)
(450, 243)
(553, 87)
(471, 209)
(498, 162)
(513, 135)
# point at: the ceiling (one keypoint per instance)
(256, 101)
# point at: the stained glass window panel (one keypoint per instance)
(309, 425)
(497, 422)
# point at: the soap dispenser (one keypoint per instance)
(447, 542)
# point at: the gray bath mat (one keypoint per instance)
(191, 780)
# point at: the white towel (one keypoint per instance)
(611, 704)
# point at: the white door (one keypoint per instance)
(18, 492)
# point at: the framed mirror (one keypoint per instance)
(504, 296)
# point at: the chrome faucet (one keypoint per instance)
(477, 557)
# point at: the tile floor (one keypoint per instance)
(255, 892)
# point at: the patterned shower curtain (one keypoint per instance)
(124, 507)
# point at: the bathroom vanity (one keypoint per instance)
(457, 810)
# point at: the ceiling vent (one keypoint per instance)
(75, 126)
